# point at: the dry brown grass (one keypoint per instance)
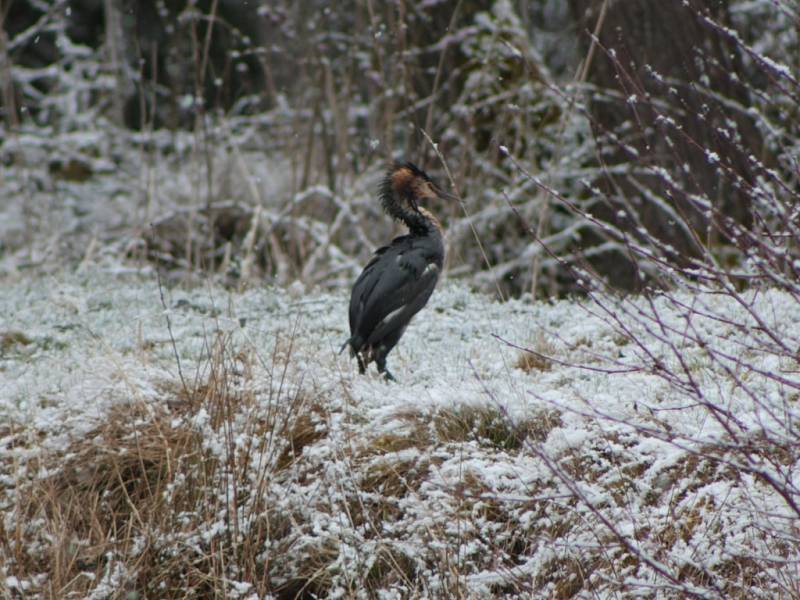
(180, 496)
(131, 493)
(12, 339)
(488, 426)
(536, 356)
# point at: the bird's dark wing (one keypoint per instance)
(362, 288)
(393, 287)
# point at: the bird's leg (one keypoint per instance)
(362, 368)
(383, 370)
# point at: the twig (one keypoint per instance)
(169, 329)
(435, 147)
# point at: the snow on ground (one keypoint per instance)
(472, 475)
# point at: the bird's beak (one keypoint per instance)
(444, 195)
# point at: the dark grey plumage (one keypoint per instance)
(400, 278)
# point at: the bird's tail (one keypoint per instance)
(356, 343)
(349, 342)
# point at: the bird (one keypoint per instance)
(400, 278)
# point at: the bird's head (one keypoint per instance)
(410, 185)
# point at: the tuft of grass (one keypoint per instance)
(488, 426)
(304, 430)
(12, 339)
(393, 478)
(106, 492)
(566, 576)
(390, 467)
(536, 357)
(391, 567)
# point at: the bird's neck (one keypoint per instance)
(420, 222)
(426, 223)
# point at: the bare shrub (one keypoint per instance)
(730, 270)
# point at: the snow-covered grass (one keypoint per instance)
(223, 448)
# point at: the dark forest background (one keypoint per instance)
(619, 141)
